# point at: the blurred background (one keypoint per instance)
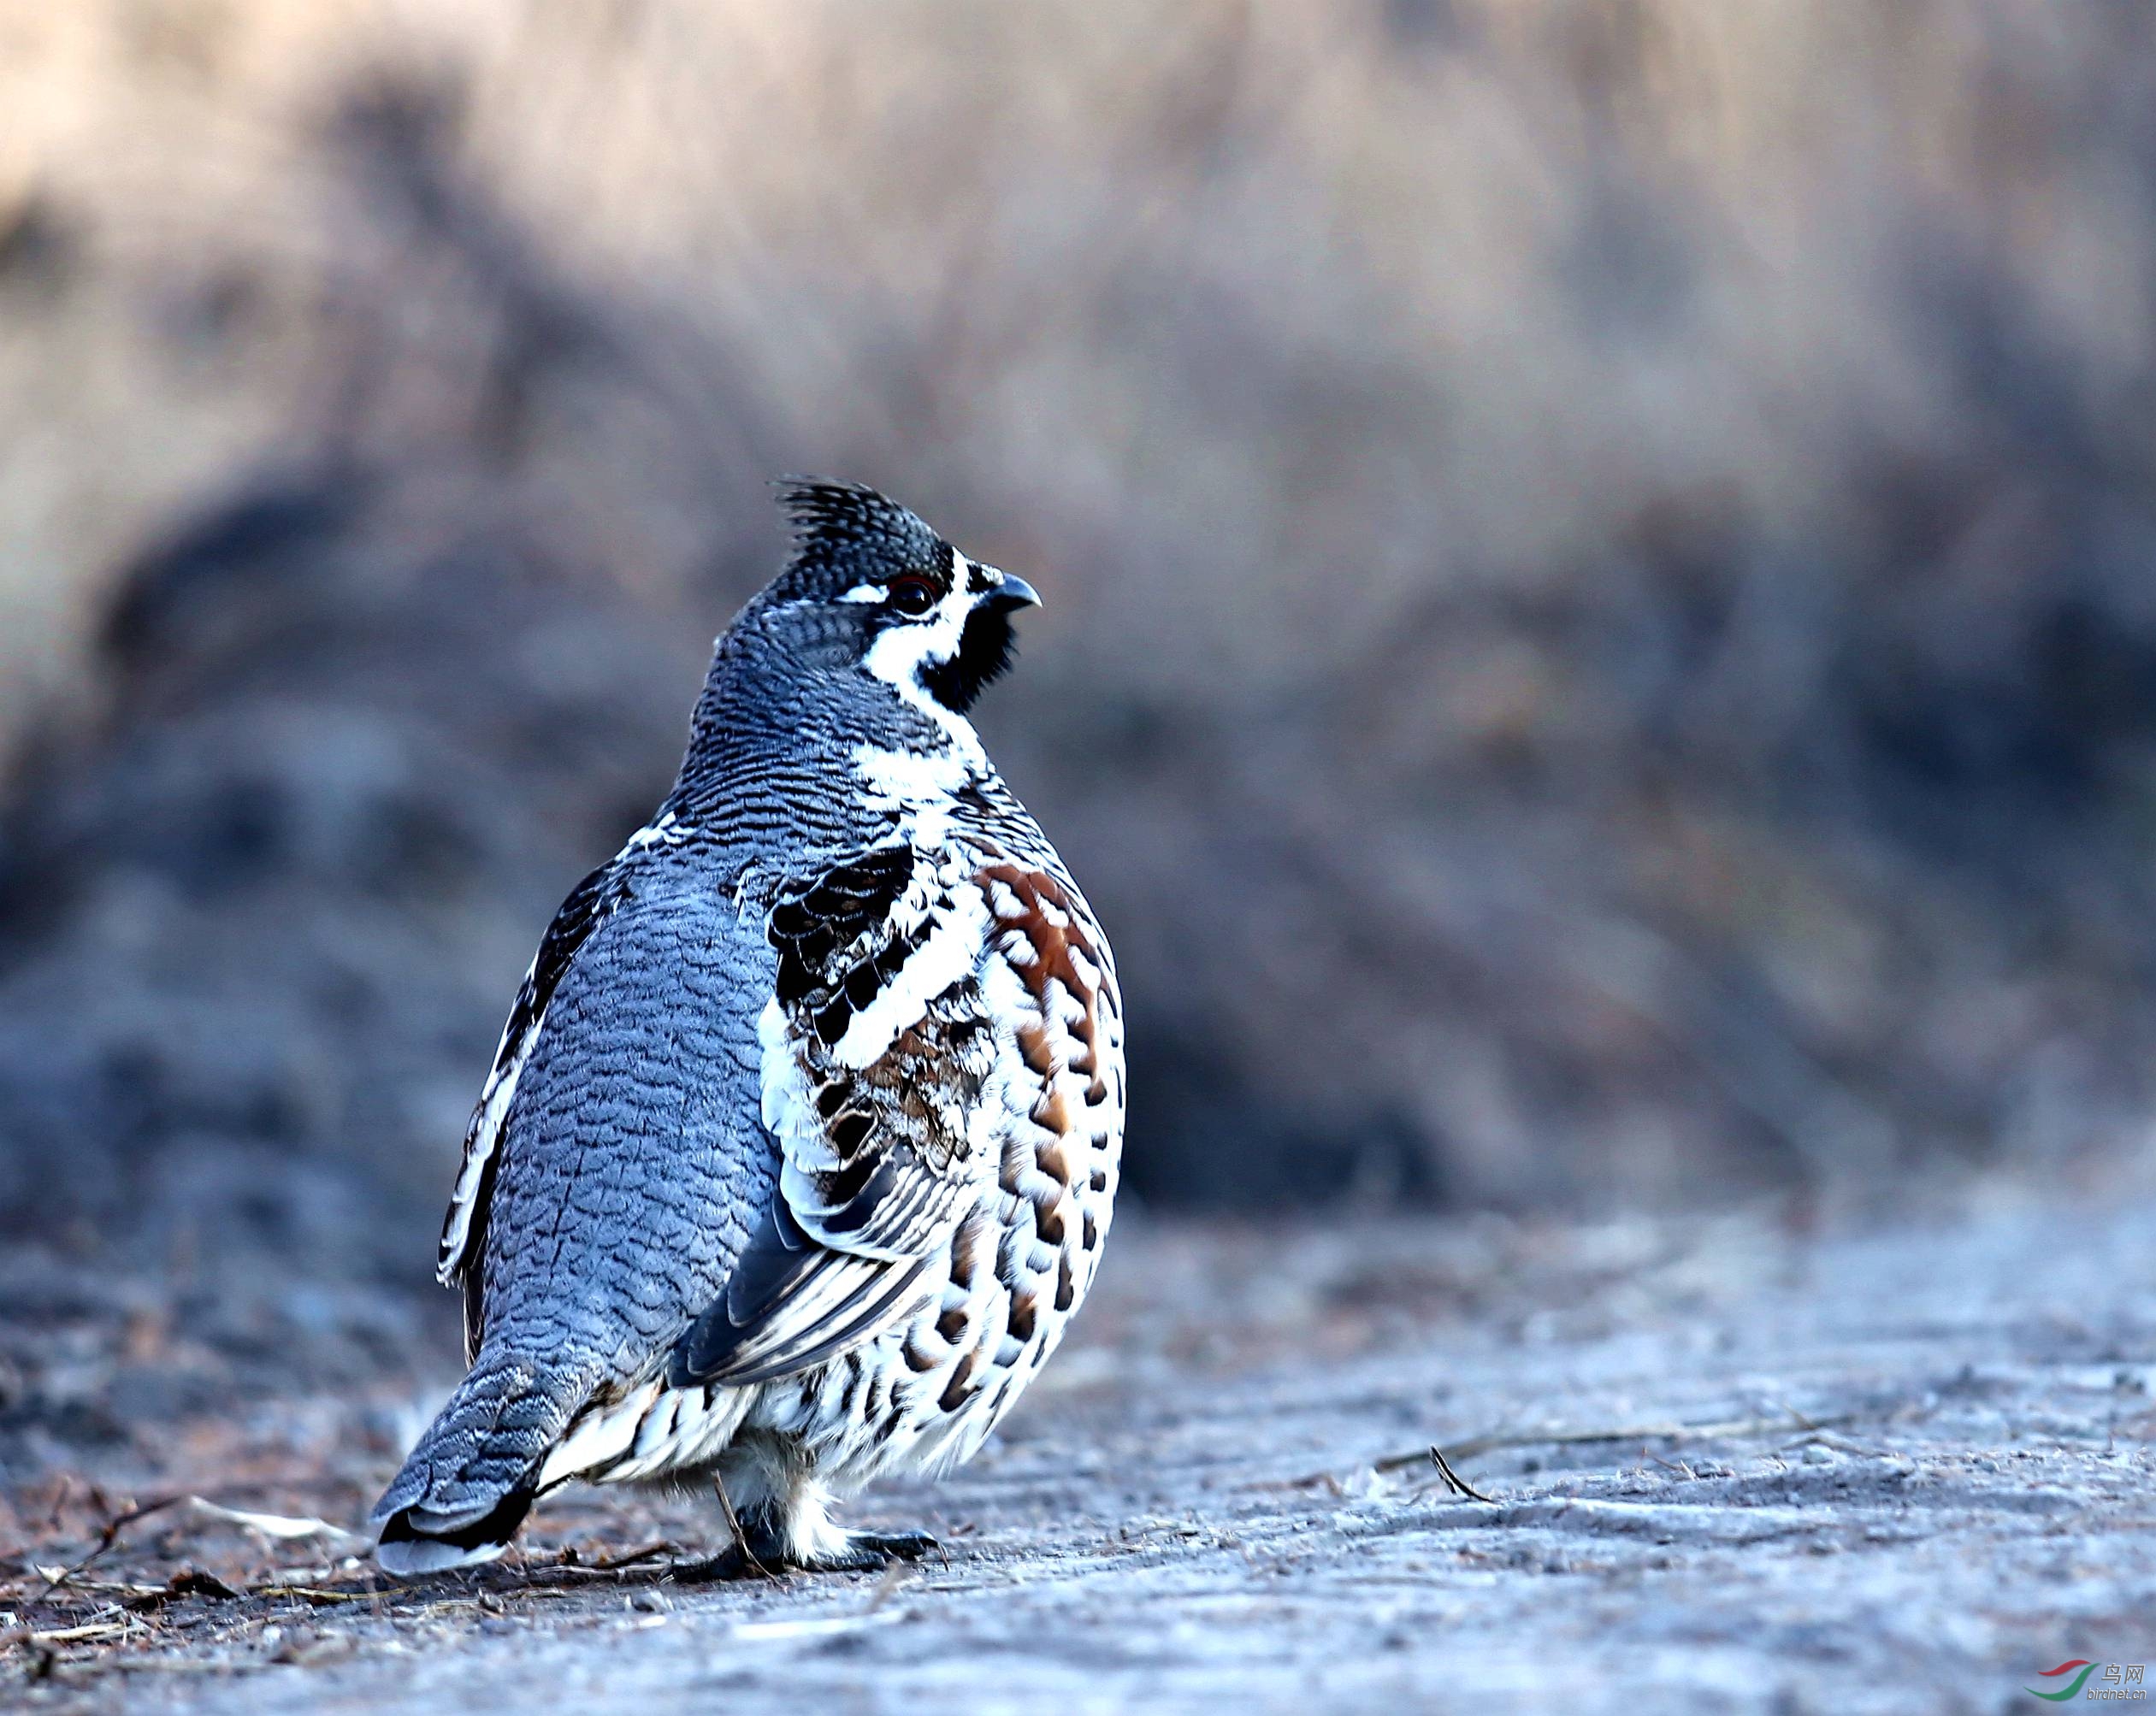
(1600, 555)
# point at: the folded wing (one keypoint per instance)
(463, 1233)
(878, 1057)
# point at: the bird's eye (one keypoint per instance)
(912, 595)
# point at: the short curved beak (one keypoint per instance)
(1012, 592)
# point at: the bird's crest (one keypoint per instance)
(838, 524)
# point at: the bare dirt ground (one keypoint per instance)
(1744, 1463)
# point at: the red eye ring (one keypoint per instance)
(911, 595)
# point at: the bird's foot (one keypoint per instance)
(871, 1552)
(733, 1562)
(758, 1552)
(761, 1554)
(760, 1557)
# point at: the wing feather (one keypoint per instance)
(876, 1045)
(463, 1233)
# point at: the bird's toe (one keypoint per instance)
(886, 1546)
(733, 1562)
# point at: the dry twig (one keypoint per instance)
(106, 1539)
(1667, 1432)
(1459, 1485)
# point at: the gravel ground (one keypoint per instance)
(1751, 1462)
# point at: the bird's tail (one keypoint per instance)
(472, 1477)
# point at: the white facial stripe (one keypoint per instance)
(898, 656)
(865, 592)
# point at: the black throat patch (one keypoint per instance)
(987, 645)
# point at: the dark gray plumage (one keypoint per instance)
(803, 1134)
